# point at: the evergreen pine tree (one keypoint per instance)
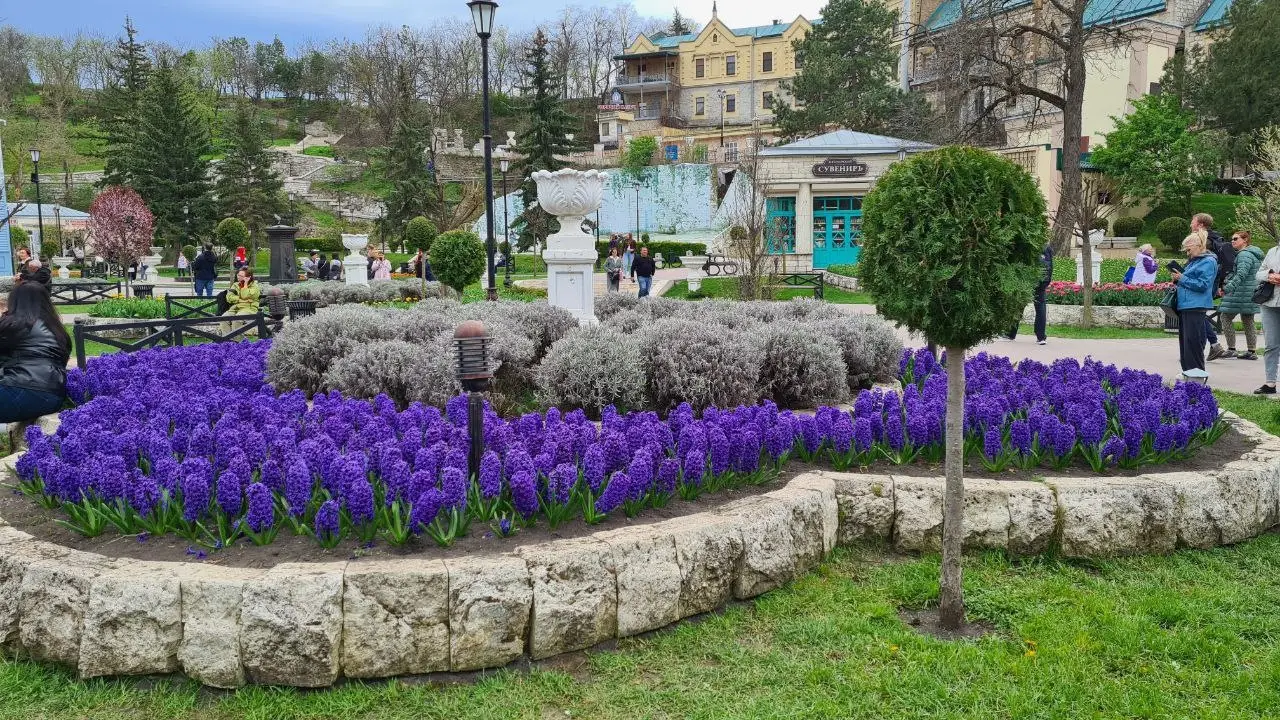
(129, 69)
(248, 186)
(170, 148)
(544, 137)
(680, 25)
(413, 185)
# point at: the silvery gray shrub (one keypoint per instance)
(869, 345)
(803, 367)
(611, 304)
(590, 369)
(405, 372)
(689, 361)
(304, 349)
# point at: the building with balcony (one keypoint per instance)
(702, 95)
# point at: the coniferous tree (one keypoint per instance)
(413, 185)
(128, 70)
(544, 137)
(248, 186)
(680, 25)
(170, 165)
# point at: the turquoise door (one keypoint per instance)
(837, 230)
(780, 225)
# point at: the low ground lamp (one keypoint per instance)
(474, 374)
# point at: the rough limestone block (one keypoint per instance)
(825, 487)
(644, 561)
(708, 549)
(291, 625)
(17, 553)
(54, 598)
(866, 506)
(919, 506)
(133, 625)
(1033, 517)
(489, 604)
(575, 596)
(1221, 508)
(768, 549)
(1114, 516)
(917, 514)
(807, 531)
(395, 618)
(211, 599)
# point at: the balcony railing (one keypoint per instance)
(648, 111)
(643, 79)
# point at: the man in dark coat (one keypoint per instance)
(1040, 301)
(204, 271)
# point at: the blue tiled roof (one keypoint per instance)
(1214, 15)
(1098, 11)
(32, 210)
(671, 42)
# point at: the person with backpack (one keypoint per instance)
(1226, 257)
(204, 271)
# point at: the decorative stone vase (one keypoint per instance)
(354, 263)
(64, 266)
(693, 263)
(1096, 262)
(571, 195)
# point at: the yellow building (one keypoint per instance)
(701, 94)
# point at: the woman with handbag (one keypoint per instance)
(1195, 285)
(1268, 300)
(1237, 297)
(613, 269)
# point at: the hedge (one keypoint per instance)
(669, 251)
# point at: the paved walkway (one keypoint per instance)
(662, 281)
(1157, 355)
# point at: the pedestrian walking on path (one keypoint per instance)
(644, 268)
(1269, 272)
(1237, 297)
(613, 270)
(1039, 300)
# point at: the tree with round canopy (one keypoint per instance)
(952, 240)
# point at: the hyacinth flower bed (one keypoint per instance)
(1108, 294)
(209, 451)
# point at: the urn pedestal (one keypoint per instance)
(571, 256)
(64, 266)
(693, 263)
(354, 264)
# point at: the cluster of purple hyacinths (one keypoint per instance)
(194, 442)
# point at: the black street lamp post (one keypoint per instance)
(35, 179)
(482, 12)
(504, 165)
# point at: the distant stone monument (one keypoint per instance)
(571, 195)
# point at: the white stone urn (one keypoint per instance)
(1096, 259)
(152, 262)
(354, 263)
(571, 195)
(693, 264)
(64, 266)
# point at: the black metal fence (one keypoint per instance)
(82, 293)
(814, 282)
(167, 333)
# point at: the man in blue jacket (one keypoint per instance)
(1196, 285)
(204, 272)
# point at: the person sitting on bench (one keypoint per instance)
(34, 351)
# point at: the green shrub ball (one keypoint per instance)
(1172, 231)
(457, 259)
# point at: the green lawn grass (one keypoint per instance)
(1072, 332)
(727, 288)
(1262, 410)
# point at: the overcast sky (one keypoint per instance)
(193, 22)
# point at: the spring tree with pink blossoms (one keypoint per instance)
(120, 226)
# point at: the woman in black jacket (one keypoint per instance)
(34, 350)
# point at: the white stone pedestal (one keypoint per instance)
(571, 256)
(693, 264)
(354, 264)
(1096, 262)
(64, 269)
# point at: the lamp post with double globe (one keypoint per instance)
(35, 180)
(482, 12)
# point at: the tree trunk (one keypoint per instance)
(951, 604)
(1068, 215)
(1086, 292)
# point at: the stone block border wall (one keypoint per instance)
(307, 625)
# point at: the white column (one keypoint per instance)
(804, 221)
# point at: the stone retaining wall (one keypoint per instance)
(1134, 317)
(307, 625)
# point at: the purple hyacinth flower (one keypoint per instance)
(195, 496)
(720, 451)
(524, 493)
(298, 487)
(453, 486)
(1092, 428)
(490, 475)
(328, 520)
(809, 433)
(359, 500)
(1115, 449)
(145, 494)
(1064, 440)
(694, 467)
(863, 437)
(778, 440)
(1020, 436)
(230, 492)
(668, 476)
(594, 467)
(615, 493)
(992, 444)
(560, 483)
(261, 515)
